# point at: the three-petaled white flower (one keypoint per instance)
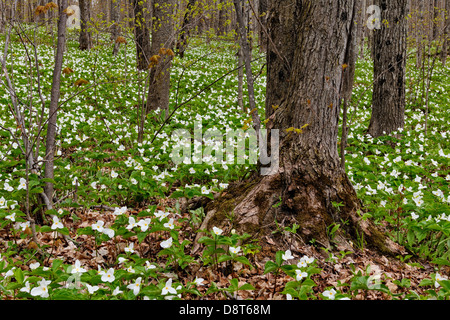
(217, 231)
(91, 289)
(130, 248)
(131, 223)
(287, 255)
(167, 243)
(76, 268)
(22, 184)
(144, 224)
(235, 250)
(168, 288)
(42, 290)
(169, 224)
(136, 286)
(56, 223)
(98, 226)
(330, 294)
(300, 275)
(108, 276)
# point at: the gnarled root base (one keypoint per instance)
(309, 200)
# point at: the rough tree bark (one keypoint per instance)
(310, 180)
(85, 36)
(191, 11)
(389, 48)
(115, 20)
(142, 35)
(246, 53)
(445, 46)
(54, 100)
(163, 41)
(280, 23)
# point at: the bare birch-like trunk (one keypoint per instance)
(54, 100)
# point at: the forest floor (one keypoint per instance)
(145, 233)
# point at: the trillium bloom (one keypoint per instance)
(167, 243)
(136, 286)
(199, 281)
(76, 268)
(205, 190)
(130, 248)
(91, 289)
(330, 294)
(300, 275)
(287, 255)
(414, 215)
(235, 249)
(161, 214)
(2, 203)
(56, 223)
(122, 259)
(307, 259)
(109, 232)
(42, 290)
(11, 216)
(34, 265)
(98, 226)
(168, 288)
(169, 224)
(119, 211)
(26, 288)
(116, 291)
(438, 278)
(22, 184)
(217, 231)
(132, 223)
(149, 266)
(144, 224)
(8, 187)
(114, 174)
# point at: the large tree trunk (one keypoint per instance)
(163, 40)
(85, 34)
(309, 181)
(281, 24)
(389, 47)
(142, 35)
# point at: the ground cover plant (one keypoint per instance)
(131, 216)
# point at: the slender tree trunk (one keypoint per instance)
(389, 47)
(142, 35)
(85, 34)
(445, 46)
(309, 181)
(115, 20)
(54, 100)
(262, 11)
(349, 69)
(186, 27)
(420, 33)
(163, 40)
(246, 52)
